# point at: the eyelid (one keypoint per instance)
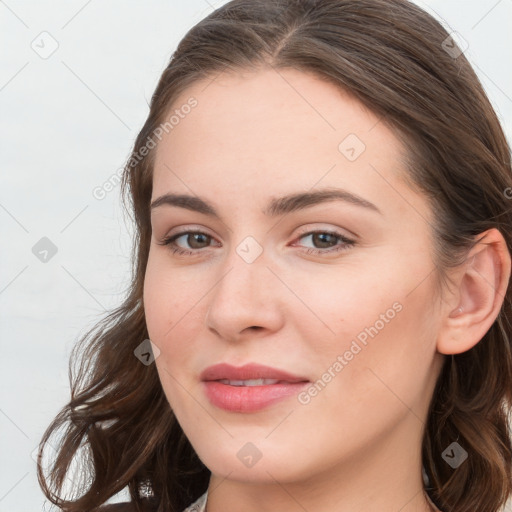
(308, 228)
(187, 228)
(303, 230)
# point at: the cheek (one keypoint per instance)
(383, 339)
(344, 306)
(171, 311)
(173, 308)
(391, 372)
(159, 301)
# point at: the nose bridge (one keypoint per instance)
(246, 271)
(246, 294)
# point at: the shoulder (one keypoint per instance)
(128, 506)
(125, 506)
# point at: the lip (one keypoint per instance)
(245, 399)
(248, 371)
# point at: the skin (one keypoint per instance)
(355, 446)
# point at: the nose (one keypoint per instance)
(247, 300)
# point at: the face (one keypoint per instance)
(335, 290)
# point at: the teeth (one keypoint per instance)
(249, 382)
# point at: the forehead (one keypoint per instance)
(286, 110)
(260, 133)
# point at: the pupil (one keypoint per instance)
(195, 236)
(322, 237)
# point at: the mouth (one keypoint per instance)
(249, 388)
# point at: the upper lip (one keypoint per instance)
(247, 372)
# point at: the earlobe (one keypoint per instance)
(481, 285)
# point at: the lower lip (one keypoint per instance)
(249, 398)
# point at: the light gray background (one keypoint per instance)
(67, 125)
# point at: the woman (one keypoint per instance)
(322, 264)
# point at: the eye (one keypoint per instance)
(192, 237)
(329, 242)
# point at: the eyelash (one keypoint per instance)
(347, 243)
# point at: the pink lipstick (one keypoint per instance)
(249, 388)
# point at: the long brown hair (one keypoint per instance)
(401, 63)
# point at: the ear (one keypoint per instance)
(474, 303)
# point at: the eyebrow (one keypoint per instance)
(277, 206)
